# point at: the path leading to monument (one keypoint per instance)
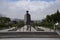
(24, 29)
(33, 30)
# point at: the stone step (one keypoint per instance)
(29, 35)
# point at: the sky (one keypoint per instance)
(38, 9)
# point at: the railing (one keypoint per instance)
(58, 32)
(6, 30)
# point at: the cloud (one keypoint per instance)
(38, 9)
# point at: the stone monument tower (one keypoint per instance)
(27, 21)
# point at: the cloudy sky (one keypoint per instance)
(37, 8)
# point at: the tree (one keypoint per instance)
(18, 24)
(4, 22)
(50, 20)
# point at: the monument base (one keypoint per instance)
(27, 28)
(29, 35)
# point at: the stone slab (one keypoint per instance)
(29, 35)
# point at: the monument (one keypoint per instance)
(27, 18)
(27, 27)
(27, 21)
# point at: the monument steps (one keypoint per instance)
(29, 35)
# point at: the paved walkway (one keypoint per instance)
(24, 29)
